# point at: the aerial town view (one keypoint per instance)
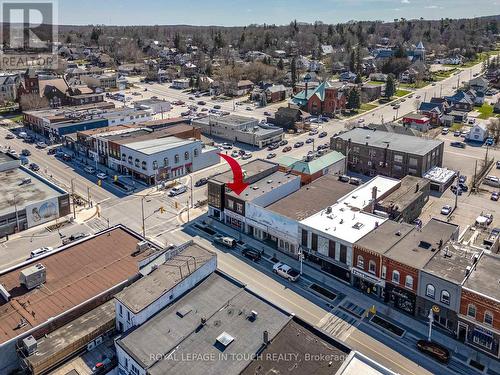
(259, 188)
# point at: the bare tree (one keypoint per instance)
(33, 101)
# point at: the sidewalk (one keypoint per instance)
(417, 328)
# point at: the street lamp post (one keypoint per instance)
(431, 320)
(143, 219)
(191, 182)
(301, 258)
(73, 196)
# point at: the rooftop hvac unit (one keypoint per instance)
(143, 245)
(4, 293)
(33, 276)
(30, 345)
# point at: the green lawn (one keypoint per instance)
(399, 93)
(456, 126)
(368, 107)
(416, 85)
(376, 83)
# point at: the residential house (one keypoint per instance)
(180, 83)
(434, 111)
(243, 87)
(478, 133)
(409, 76)
(460, 101)
(328, 98)
(9, 88)
(347, 77)
(286, 117)
(277, 93)
(479, 84)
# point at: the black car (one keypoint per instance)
(26, 152)
(298, 144)
(309, 140)
(66, 157)
(51, 151)
(322, 134)
(34, 167)
(251, 254)
(284, 142)
(435, 350)
(273, 146)
(201, 182)
(74, 237)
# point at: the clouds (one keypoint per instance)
(405, 1)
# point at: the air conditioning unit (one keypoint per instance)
(30, 345)
(33, 276)
(143, 245)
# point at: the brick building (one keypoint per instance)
(374, 152)
(327, 99)
(479, 317)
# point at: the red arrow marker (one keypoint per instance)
(238, 185)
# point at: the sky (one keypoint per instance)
(245, 12)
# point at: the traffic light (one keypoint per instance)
(162, 210)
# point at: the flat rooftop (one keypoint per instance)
(411, 186)
(250, 170)
(451, 262)
(145, 134)
(264, 186)
(176, 331)
(439, 174)
(419, 246)
(71, 333)
(153, 146)
(485, 278)
(228, 119)
(36, 191)
(397, 142)
(145, 291)
(385, 236)
(301, 341)
(75, 274)
(361, 197)
(312, 198)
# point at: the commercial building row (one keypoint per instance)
(136, 308)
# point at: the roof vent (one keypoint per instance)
(255, 187)
(253, 316)
(269, 181)
(329, 209)
(467, 270)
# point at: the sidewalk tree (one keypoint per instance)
(494, 129)
(390, 87)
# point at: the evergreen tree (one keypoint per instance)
(353, 101)
(358, 79)
(390, 87)
(293, 71)
(352, 62)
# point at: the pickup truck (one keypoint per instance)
(224, 240)
(285, 271)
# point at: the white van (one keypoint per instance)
(177, 190)
(40, 251)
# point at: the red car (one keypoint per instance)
(434, 350)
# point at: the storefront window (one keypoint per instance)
(176, 158)
(186, 155)
(409, 282)
(230, 204)
(371, 266)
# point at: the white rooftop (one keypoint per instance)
(153, 146)
(439, 175)
(345, 220)
(361, 197)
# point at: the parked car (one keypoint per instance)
(456, 190)
(41, 145)
(74, 237)
(458, 144)
(490, 142)
(177, 190)
(322, 134)
(287, 148)
(266, 113)
(246, 156)
(251, 253)
(235, 153)
(498, 164)
(52, 151)
(26, 152)
(217, 106)
(90, 170)
(201, 182)
(66, 157)
(456, 133)
(249, 108)
(313, 132)
(271, 155)
(417, 222)
(309, 140)
(462, 179)
(34, 167)
(434, 350)
(285, 271)
(284, 142)
(298, 144)
(445, 131)
(225, 240)
(10, 136)
(227, 146)
(446, 210)
(273, 146)
(102, 175)
(494, 196)
(40, 251)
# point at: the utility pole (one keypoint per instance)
(188, 209)
(143, 220)
(73, 197)
(301, 258)
(17, 214)
(475, 176)
(88, 195)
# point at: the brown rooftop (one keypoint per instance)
(106, 129)
(173, 130)
(312, 198)
(75, 275)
